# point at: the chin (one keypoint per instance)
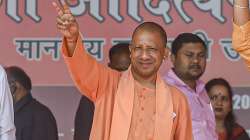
(196, 76)
(219, 116)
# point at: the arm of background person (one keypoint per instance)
(241, 30)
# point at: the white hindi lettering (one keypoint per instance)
(214, 7)
(94, 46)
(30, 49)
(12, 10)
(162, 9)
(94, 9)
(93, 6)
(33, 49)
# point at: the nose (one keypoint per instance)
(219, 102)
(195, 59)
(144, 54)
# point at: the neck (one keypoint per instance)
(190, 83)
(220, 127)
(149, 82)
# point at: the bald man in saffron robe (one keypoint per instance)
(132, 105)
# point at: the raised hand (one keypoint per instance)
(241, 12)
(66, 23)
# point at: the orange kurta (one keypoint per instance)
(241, 41)
(113, 95)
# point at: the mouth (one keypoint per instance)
(145, 65)
(218, 109)
(195, 69)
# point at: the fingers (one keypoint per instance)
(61, 27)
(65, 19)
(66, 9)
(60, 21)
(58, 9)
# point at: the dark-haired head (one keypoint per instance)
(185, 38)
(15, 73)
(188, 57)
(119, 57)
(221, 95)
(19, 81)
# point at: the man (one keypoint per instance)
(132, 105)
(241, 29)
(33, 120)
(120, 61)
(189, 62)
(7, 128)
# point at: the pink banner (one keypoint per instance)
(29, 37)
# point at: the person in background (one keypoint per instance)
(7, 127)
(119, 59)
(221, 95)
(241, 30)
(188, 55)
(33, 120)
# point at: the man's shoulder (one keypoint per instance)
(178, 98)
(175, 92)
(39, 108)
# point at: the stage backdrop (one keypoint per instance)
(29, 39)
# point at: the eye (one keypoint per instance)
(225, 99)
(137, 48)
(213, 98)
(202, 55)
(152, 50)
(189, 55)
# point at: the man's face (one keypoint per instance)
(13, 87)
(220, 100)
(120, 62)
(147, 52)
(190, 61)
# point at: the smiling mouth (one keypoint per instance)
(145, 65)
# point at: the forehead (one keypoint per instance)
(219, 90)
(147, 38)
(193, 47)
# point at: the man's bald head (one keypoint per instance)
(151, 27)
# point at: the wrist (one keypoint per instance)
(241, 3)
(72, 39)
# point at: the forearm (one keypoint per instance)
(71, 45)
(241, 12)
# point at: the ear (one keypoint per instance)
(13, 87)
(166, 52)
(172, 57)
(130, 48)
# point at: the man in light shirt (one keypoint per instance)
(7, 127)
(189, 63)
